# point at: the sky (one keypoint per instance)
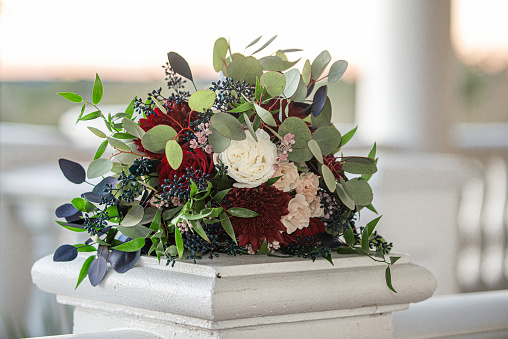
(128, 40)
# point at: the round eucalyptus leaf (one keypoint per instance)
(274, 82)
(302, 134)
(319, 64)
(66, 210)
(219, 142)
(328, 178)
(316, 150)
(220, 49)
(65, 253)
(134, 231)
(156, 138)
(118, 144)
(306, 72)
(337, 69)
(265, 115)
(361, 191)
(245, 68)
(328, 139)
(133, 217)
(72, 171)
(359, 165)
(132, 128)
(228, 126)
(325, 117)
(174, 154)
(292, 81)
(300, 93)
(179, 65)
(123, 261)
(344, 197)
(272, 63)
(202, 101)
(104, 187)
(98, 168)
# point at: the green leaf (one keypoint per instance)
(388, 275)
(159, 105)
(328, 139)
(179, 65)
(179, 242)
(272, 181)
(393, 260)
(371, 208)
(254, 41)
(85, 248)
(91, 116)
(325, 116)
(71, 96)
(118, 144)
(196, 225)
(368, 176)
(246, 106)
(337, 69)
(362, 193)
(265, 44)
(348, 136)
(174, 154)
(319, 64)
(242, 212)
(306, 72)
(98, 90)
(249, 127)
(372, 153)
(125, 136)
(83, 205)
(138, 231)
(359, 165)
(132, 128)
(346, 250)
(101, 149)
(272, 63)
(301, 92)
(84, 270)
(133, 217)
(99, 167)
(156, 222)
(219, 142)
(226, 224)
(264, 247)
(220, 49)
(349, 237)
(292, 81)
(130, 109)
(316, 151)
(194, 189)
(96, 131)
(169, 214)
(344, 197)
(156, 138)
(265, 115)
(274, 82)
(328, 177)
(70, 228)
(221, 194)
(202, 101)
(245, 68)
(131, 246)
(228, 126)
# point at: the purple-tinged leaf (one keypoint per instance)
(179, 65)
(65, 253)
(123, 261)
(73, 171)
(97, 270)
(103, 251)
(66, 210)
(103, 188)
(92, 197)
(319, 100)
(74, 217)
(310, 89)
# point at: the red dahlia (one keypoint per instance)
(336, 166)
(270, 203)
(195, 160)
(177, 117)
(315, 226)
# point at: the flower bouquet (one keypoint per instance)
(246, 166)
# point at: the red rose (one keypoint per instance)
(194, 160)
(315, 226)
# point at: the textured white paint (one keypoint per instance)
(243, 296)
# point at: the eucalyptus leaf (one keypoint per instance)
(319, 64)
(202, 101)
(133, 217)
(328, 178)
(249, 127)
(319, 100)
(98, 168)
(272, 63)
(300, 93)
(316, 151)
(337, 69)
(220, 49)
(72, 171)
(292, 81)
(345, 197)
(306, 72)
(155, 139)
(253, 42)
(97, 270)
(361, 190)
(265, 44)
(328, 138)
(228, 126)
(302, 134)
(242, 212)
(66, 210)
(65, 253)
(325, 116)
(359, 165)
(219, 142)
(179, 65)
(138, 231)
(132, 128)
(96, 131)
(174, 154)
(274, 82)
(118, 144)
(245, 68)
(265, 115)
(123, 261)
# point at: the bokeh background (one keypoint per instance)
(427, 80)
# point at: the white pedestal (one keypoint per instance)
(241, 297)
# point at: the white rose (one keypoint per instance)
(309, 184)
(299, 214)
(290, 178)
(250, 163)
(316, 210)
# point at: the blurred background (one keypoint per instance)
(427, 80)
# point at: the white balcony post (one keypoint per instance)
(240, 297)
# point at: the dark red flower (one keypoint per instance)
(177, 117)
(335, 166)
(270, 203)
(195, 159)
(293, 110)
(315, 226)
